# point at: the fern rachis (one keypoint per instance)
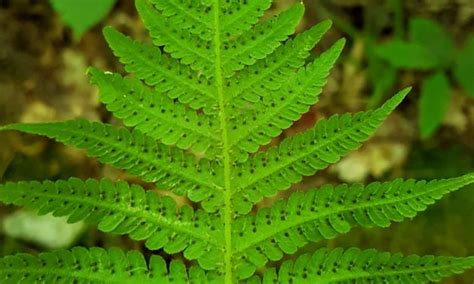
(216, 86)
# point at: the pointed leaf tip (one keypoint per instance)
(394, 101)
(7, 127)
(470, 259)
(403, 93)
(341, 43)
(327, 22)
(109, 32)
(300, 5)
(469, 178)
(298, 8)
(107, 29)
(91, 70)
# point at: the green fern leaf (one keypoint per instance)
(261, 41)
(268, 74)
(217, 85)
(166, 74)
(368, 266)
(329, 211)
(179, 43)
(167, 166)
(239, 16)
(96, 265)
(280, 109)
(237, 52)
(156, 116)
(187, 15)
(123, 209)
(304, 154)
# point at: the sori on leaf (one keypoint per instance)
(217, 84)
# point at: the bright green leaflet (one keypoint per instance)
(215, 86)
(464, 68)
(434, 103)
(428, 47)
(82, 15)
(432, 36)
(402, 54)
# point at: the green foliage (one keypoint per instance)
(95, 265)
(430, 48)
(402, 54)
(123, 209)
(464, 69)
(82, 15)
(434, 38)
(368, 266)
(217, 86)
(326, 212)
(434, 103)
(305, 154)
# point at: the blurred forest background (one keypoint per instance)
(428, 44)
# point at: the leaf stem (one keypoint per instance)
(228, 267)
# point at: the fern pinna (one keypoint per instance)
(217, 84)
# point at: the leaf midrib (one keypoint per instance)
(200, 131)
(342, 208)
(226, 160)
(135, 212)
(67, 274)
(340, 276)
(140, 155)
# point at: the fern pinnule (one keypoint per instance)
(365, 266)
(165, 74)
(134, 152)
(242, 15)
(329, 211)
(260, 41)
(123, 209)
(155, 115)
(95, 265)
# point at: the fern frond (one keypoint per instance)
(179, 43)
(168, 167)
(367, 266)
(261, 41)
(239, 16)
(304, 154)
(192, 16)
(277, 111)
(155, 115)
(217, 85)
(123, 209)
(97, 265)
(268, 74)
(166, 74)
(329, 211)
